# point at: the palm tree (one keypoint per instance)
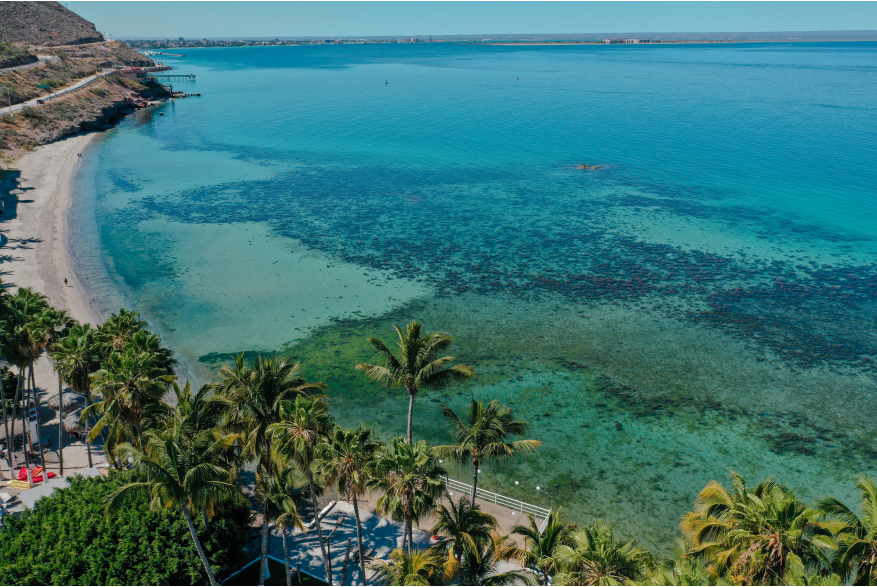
(682, 569)
(303, 425)
(762, 534)
(484, 436)
(411, 479)
(77, 357)
(274, 492)
(856, 537)
(596, 557)
(344, 460)
(465, 527)
(181, 473)
(23, 346)
(119, 328)
(480, 566)
(539, 547)
(418, 567)
(418, 364)
(130, 385)
(253, 394)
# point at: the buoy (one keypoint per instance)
(161, 113)
(386, 83)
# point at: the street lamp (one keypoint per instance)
(548, 490)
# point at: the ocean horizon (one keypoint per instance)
(701, 299)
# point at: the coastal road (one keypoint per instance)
(81, 83)
(41, 59)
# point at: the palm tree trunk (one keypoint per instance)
(24, 435)
(474, 482)
(200, 548)
(326, 560)
(36, 406)
(60, 427)
(206, 520)
(298, 574)
(14, 408)
(286, 559)
(359, 538)
(346, 564)
(264, 565)
(412, 391)
(88, 442)
(6, 425)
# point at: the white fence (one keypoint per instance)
(495, 498)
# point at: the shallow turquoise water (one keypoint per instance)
(703, 301)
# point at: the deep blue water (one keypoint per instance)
(703, 301)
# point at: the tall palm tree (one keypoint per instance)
(343, 460)
(856, 537)
(418, 364)
(130, 385)
(411, 479)
(539, 547)
(304, 424)
(274, 491)
(23, 346)
(596, 557)
(761, 534)
(481, 566)
(417, 567)
(181, 474)
(253, 394)
(77, 356)
(485, 435)
(119, 328)
(465, 528)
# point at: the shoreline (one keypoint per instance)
(35, 254)
(44, 199)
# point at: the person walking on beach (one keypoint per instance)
(65, 281)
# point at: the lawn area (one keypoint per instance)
(250, 576)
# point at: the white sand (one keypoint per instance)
(35, 255)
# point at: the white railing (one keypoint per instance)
(495, 498)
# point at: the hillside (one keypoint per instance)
(44, 24)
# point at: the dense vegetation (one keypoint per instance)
(69, 538)
(186, 457)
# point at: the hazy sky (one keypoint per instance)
(270, 19)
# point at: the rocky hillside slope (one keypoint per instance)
(44, 24)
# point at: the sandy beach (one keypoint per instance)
(35, 254)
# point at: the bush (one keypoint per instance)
(68, 539)
(48, 83)
(99, 92)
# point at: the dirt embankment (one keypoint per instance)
(98, 106)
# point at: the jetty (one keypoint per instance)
(174, 76)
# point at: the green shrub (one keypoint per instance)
(48, 83)
(99, 92)
(68, 539)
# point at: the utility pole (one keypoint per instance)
(8, 97)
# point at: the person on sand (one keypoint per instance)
(65, 281)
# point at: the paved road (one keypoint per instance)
(77, 85)
(41, 59)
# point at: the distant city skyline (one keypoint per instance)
(352, 19)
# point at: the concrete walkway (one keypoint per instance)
(380, 537)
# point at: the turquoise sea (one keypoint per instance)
(704, 301)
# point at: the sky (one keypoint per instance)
(351, 19)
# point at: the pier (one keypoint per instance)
(175, 76)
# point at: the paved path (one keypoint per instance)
(81, 83)
(380, 537)
(41, 59)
